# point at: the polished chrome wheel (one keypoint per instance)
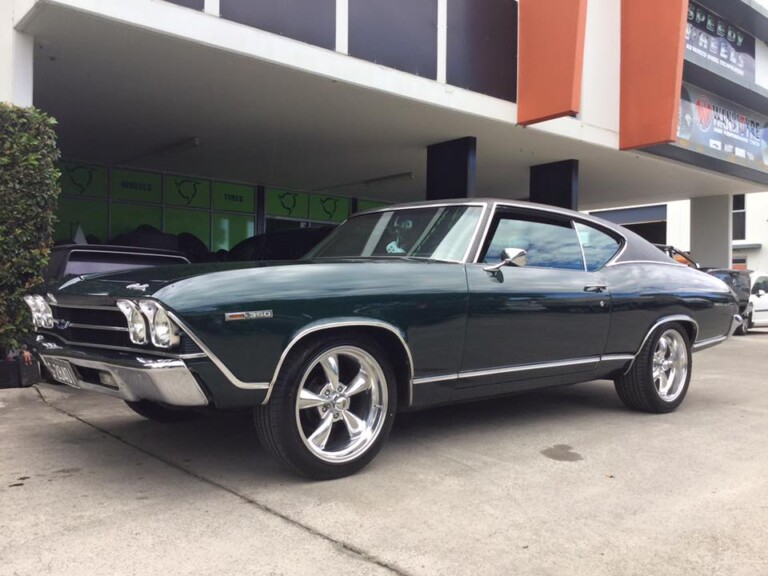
(670, 365)
(341, 404)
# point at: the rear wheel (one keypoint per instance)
(331, 409)
(659, 377)
(160, 413)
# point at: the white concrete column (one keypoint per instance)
(679, 224)
(16, 59)
(711, 237)
(212, 7)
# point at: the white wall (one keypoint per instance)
(16, 58)
(761, 63)
(756, 206)
(679, 224)
(602, 65)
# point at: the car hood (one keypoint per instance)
(192, 286)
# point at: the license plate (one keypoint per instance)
(61, 371)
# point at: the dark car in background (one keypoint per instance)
(398, 309)
(71, 260)
(279, 245)
(739, 281)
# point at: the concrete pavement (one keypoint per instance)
(563, 481)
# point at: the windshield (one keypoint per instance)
(435, 233)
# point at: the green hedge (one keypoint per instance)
(29, 189)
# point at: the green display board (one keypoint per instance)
(185, 191)
(287, 203)
(89, 214)
(83, 180)
(233, 197)
(229, 229)
(136, 186)
(128, 217)
(363, 205)
(178, 220)
(328, 208)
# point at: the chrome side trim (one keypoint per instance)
(528, 367)
(616, 358)
(352, 322)
(510, 369)
(219, 364)
(677, 264)
(432, 379)
(296, 338)
(659, 322)
(709, 342)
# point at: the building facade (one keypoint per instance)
(225, 118)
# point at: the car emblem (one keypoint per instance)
(61, 324)
(140, 287)
(252, 315)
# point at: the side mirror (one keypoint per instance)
(509, 257)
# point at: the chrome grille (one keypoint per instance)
(104, 326)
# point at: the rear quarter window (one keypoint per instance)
(599, 247)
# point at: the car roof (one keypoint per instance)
(635, 247)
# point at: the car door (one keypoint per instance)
(548, 317)
(760, 302)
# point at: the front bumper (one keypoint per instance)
(130, 377)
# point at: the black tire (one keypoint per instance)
(308, 437)
(638, 388)
(160, 413)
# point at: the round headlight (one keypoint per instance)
(42, 317)
(163, 331)
(46, 314)
(137, 327)
(32, 304)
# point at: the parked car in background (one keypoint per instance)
(677, 255)
(71, 260)
(279, 245)
(759, 299)
(739, 281)
(399, 308)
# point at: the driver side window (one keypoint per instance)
(548, 243)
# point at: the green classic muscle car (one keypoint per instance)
(400, 308)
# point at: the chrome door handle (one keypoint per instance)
(595, 288)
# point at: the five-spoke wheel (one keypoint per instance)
(670, 365)
(342, 404)
(658, 379)
(331, 408)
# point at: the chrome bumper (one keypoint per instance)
(131, 378)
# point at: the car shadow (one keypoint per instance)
(223, 447)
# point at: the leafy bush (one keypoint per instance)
(29, 190)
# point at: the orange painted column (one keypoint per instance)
(652, 45)
(550, 58)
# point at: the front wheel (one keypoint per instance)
(331, 409)
(659, 377)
